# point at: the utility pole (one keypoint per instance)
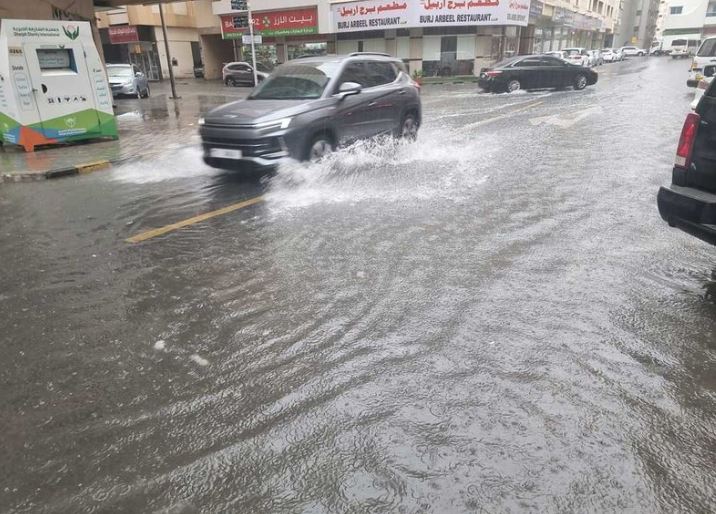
(169, 57)
(253, 47)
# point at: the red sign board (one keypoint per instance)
(273, 23)
(119, 34)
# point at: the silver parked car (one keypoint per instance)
(127, 80)
(242, 73)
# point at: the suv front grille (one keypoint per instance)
(248, 147)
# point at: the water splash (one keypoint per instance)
(443, 163)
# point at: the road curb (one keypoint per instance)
(68, 171)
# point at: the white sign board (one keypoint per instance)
(384, 14)
(246, 39)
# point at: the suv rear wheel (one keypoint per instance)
(409, 127)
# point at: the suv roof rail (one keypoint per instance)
(382, 54)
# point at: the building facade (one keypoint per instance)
(688, 20)
(433, 37)
(638, 23)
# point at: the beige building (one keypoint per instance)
(133, 34)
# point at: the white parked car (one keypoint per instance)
(609, 55)
(631, 51)
(595, 58)
(705, 57)
(559, 54)
(576, 56)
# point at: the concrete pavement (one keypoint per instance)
(146, 127)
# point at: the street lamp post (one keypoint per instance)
(169, 57)
(253, 47)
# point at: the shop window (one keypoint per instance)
(445, 59)
(676, 9)
(711, 9)
(296, 50)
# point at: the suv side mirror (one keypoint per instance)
(348, 89)
(709, 71)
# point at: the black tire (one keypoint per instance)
(580, 82)
(513, 85)
(641, 54)
(320, 146)
(231, 82)
(409, 127)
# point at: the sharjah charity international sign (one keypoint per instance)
(397, 14)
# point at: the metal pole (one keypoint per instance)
(169, 57)
(253, 47)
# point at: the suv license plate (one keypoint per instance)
(225, 153)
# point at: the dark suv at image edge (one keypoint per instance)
(689, 203)
(308, 107)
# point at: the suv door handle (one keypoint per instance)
(401, 92)
(372, 104)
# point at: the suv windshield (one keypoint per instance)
(119, 71)
(296, 81)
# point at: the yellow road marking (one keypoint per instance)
(149, 234)
(92, 166)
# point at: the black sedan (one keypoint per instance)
(535, 72)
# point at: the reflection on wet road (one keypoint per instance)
(493, 318)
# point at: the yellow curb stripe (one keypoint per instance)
(149, 234)
(89, 167)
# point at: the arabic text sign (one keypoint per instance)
(123, 34)
(274, 23)
(382, 14)
(370, 15)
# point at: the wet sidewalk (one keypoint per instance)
(146, 127)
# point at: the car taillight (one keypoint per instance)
(493, 73)
(686, 141)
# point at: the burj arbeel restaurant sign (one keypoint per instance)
(397, 14)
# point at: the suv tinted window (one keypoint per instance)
(380, 73)
(551, 61)
(708, 49)
(354, 72)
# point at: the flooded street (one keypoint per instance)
(492, 319)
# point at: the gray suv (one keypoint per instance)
(308, 107)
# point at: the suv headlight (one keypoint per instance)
(282, 123)
(201, 121)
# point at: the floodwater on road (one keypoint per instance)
(491, 319)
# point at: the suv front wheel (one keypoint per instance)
(319, 147)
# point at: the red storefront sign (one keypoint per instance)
(273, 23)
(119, 34)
